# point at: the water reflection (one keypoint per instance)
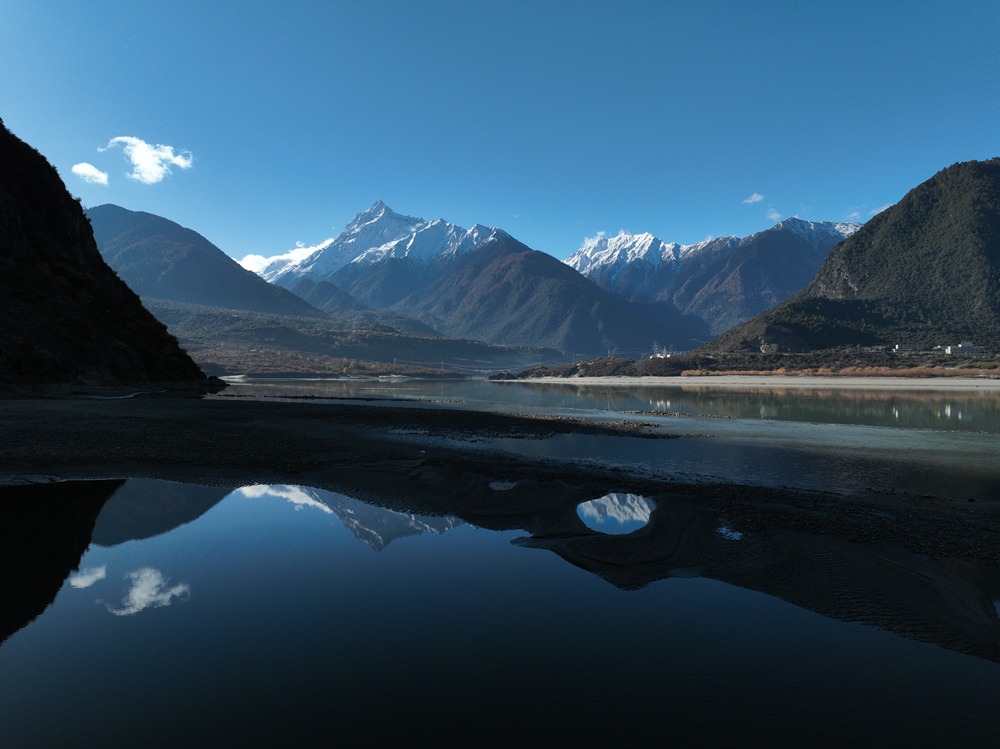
(497, 616)
(616, 513)
(148, 589)
(946, 602)
(87, 577)
(375, 526)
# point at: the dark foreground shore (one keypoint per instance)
(361, 451)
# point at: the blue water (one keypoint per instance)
(285, 615)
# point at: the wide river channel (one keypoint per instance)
(287, 615)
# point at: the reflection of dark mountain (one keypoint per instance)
(143, 508)
(162, 260)
(379, 527)
(882, 586)
(945, 603)
(64, 314)
(925, 271)
(44, 530)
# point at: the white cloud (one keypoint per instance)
(854, 215)
(755, 198)
(90, 173)
(773, 215)
(877, 211)
(258, 263)
(149, 589)
(86, 578)
(150, 164)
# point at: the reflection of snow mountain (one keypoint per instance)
(376, 526)
(617, 508)
(616, 513)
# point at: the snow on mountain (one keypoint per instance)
(819, 233)
(620, 250)
(609, 256)
(374, 236)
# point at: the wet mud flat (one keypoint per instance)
(375, 453)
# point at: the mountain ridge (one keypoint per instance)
(160, 259)
(724, 281)
(924, 271)
(67, 317)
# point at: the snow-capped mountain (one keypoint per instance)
(724, 281)
(820, 233)
(374, 236)
(626, 249)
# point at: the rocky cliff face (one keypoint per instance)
(65, 317)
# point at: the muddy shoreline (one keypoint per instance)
(360, 450)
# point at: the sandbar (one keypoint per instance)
(817, 382)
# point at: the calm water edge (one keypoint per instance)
(272, 615)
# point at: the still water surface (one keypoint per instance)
(277, 615)
(283, 615)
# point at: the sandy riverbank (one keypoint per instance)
(805, 382)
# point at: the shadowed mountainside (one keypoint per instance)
(160, 259)
(506, 293)
(925, 271)
(65, 317)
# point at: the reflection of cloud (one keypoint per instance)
(150, 163)
(149, 588)
(90, 173)
(622, 508)
(294, 494)
(86, 578)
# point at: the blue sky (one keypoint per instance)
(554, 120)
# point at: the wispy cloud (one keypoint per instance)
(150, 163)
(876, 211)
(149, 589)
(754, 198)
(257, 263)
(90, 173)
(773, 215)
(854, 215)
(86, 578)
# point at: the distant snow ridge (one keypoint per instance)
(609, 257)
(622, 250)
(814, 232)
(375, 236)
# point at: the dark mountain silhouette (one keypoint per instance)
(65, 317)
(505, 293)
(925, 271)
(160, 259)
